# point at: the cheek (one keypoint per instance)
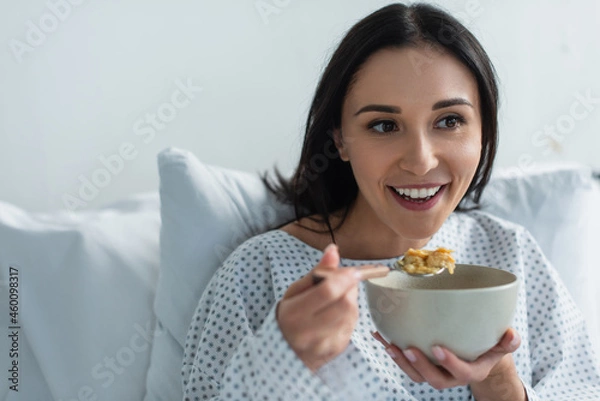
(371, 159)
(466, 158)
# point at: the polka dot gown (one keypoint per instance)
(235, 350)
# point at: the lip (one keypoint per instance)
(419, 186)
(421, 206)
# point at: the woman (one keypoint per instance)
(400, 137)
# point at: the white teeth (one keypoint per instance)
(433, 191)
(415, 193)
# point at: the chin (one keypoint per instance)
(420, 230)
(418, 234)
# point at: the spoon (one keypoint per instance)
(399, 266)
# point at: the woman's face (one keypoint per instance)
(411, 130)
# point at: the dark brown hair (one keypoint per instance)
(323, 183)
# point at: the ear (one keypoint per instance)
(339, 144)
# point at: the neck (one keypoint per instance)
(364, 236)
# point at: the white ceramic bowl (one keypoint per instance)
(466, 312)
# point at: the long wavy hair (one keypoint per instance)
(322, 183)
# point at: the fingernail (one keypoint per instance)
(438, 353)
(391, 353)
(515, 340)
(410, 355)
(329, 247)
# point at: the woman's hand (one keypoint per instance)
(317, 320)
(492, 376)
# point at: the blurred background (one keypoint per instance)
(91, 91)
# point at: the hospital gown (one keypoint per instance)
(235, 350)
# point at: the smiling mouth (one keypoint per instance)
(417, 195)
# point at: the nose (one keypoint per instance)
(419, 153)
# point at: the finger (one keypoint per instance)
(298, 286)
(341, 309)
(466, 372)
(320, 326)
(399, 358)
(379, 338)
(329, 260)
(299, 319)
(334, 287)
(372, 271)
(405, 364)
(508, 344)
(438, 377)
(364, 272)
(324, 332)
(510, 341)
(462, 371)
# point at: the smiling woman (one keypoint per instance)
(426, 139)
(409, 100)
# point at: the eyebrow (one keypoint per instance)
(379, 107)
(451, 102)
(396, 110)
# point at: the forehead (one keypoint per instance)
(411, 76)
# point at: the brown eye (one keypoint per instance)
(384, 126)
(450, 122)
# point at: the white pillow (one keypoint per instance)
(86, 283)
(207, 211)
(560, 206)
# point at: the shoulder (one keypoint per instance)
(483, 223)
(481, 238)
(276, 248)
(258, 247)
(273, 259)
(270, 240)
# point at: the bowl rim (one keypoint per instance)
(515, 282)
